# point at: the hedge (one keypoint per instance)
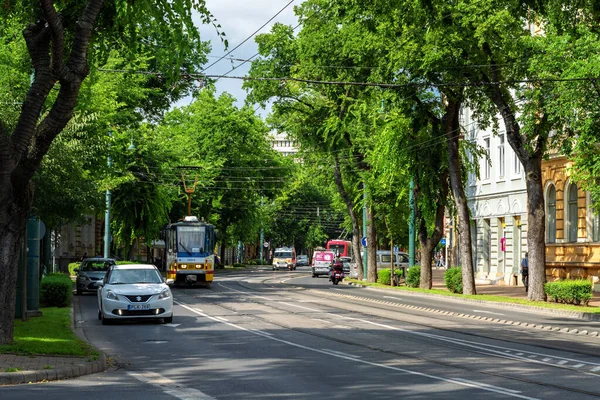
(384, 275)
(56, 290)
(413, 276)
(576, 292)
(453, 280)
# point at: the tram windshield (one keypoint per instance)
(191, 239)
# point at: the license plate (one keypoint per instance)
(138, 307)
(191, 278)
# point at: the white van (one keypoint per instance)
(384, 259)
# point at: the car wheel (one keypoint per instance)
(100, 315)
(79, 292)
(168, 320)
(105, 321)
(314, 276)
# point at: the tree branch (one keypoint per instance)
(58, 36)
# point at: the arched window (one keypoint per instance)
(572, 212)
(551, 215)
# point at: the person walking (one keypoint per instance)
(525, 271)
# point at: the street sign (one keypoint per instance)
(266, 244)
(443, 241)
(363, 241)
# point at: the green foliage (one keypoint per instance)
(238, 265)
(578, 291)
(56, 290)
(384, 275)
(453, 279)
(413, 276)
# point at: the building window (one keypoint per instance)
(517, 165)
(551, 215)
(501, 156)
(595, 226)
(486, 166)
(573, 212)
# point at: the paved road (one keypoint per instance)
(266, 334)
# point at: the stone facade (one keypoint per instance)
(572, 239)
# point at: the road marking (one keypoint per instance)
(595, 369)
(393, 297)
(470, 384)
(562, 362)
(169, 386)
(172, 325)
(222, 319)
(490, 386)
(340, 353)
(297, 306)
(578, 365)
(261, 332)
(487, 312)
(322, 320)
(549, 359)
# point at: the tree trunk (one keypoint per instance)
(371, 246)
(13, 220)
(356, 247)
(452, 129)
(428, 243)
(536, 230)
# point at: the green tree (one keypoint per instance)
(58, 39)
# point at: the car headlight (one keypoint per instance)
(165, 294)
(84, 277)
(111, 295)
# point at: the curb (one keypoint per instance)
(72, 371)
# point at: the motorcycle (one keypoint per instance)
(337, 274)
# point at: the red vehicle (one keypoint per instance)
(341, 247)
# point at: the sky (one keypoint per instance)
(239, 19)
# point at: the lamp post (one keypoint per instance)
(107, 212)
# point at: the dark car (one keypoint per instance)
(302, 260)
(91, 272)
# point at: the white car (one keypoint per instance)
(134, 291)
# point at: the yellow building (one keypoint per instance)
(572, 226)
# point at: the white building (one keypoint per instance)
(282, 144)
(498, 206)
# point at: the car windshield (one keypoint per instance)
(283, 254)
(95, 265)
(387, 258)
(130, 276)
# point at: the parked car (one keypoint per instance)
(321, 263)
(91, 272)
(302, 260)
(348, 264)
(134, 291)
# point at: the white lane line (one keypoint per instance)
(479, 346)
(490, 386)
(549, 359)
(261, 332)
(487, 312)
(322, 320)
(470, 384)
(393, 297)
(297, 306)
(340, 353)
(169, 386)
(172, 325)
(595, 369)
(222, 319)
(578, 365)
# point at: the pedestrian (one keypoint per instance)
(442, 265)
(525, 271)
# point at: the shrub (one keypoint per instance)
(384, 275)
(238, 265)
(577, 291)
(56, 290)
(72, 267)
(413, 276)
(453, 280)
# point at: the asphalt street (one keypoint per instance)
(265, 334)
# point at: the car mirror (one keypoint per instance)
(76, 269)
(100, 284)
(170, 282)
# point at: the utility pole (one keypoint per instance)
(262, 232)
(365, 230)
(107, 211)
(411, 225)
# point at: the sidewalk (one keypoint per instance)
(34, 369)
(498, 290)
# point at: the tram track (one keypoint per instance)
(444, 344)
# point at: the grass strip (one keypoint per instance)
(50, 334)
(484, 297)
